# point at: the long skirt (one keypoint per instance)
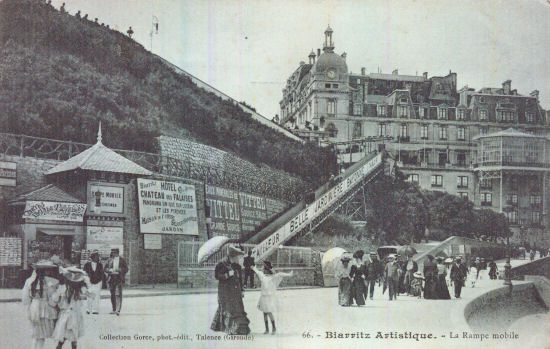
(344, 292)
(442, 290)
(358, 291)
(70, 325)
(430, 288)
(230, 316)
(43, 328)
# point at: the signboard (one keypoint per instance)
(111, 198)
(104, 239)
(167, 207)
(8, 173)
(253, 212)
(10, 252)
(313, 210)
(152, 241)
(225, 213)
(273, 207)
(54, 211)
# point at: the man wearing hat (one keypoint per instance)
(94, 269)
(458, 275)
(116, 269)
(391, 274)
(374, 271)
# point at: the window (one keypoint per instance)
(334, 85)
(535, 200)
(461, 133)
(512, 217)
(486, 199)
(331, 107)
(506, 116)
(327, 85)
(403, 100)
(442, 113)
(403, 111)
(403, 131)
(421, 112)
(381, 130)
(461, 158)
(424, 131)
(413, 178)
(381, 109)
(483, 115)
(357, 109)
(463, 194)
(482, 99)
(484, 130)
(461, 114)
(357, 130)
(462, 181)
(535, 217)
(530, 117)
(437, 180)
(486, 184)
(512, 199)
(443, 132)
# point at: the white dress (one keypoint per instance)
(70, 324)
(268, 302)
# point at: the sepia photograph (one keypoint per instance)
(223, 174)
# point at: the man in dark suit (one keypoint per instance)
(248, 263)
(94, 269)
(458, 275)
(116, 269)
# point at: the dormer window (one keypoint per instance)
(421, 112)
(530, 117)
(483, 115)
(461, 114)
(381, 110)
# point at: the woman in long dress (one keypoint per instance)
(38, 297)
(442, 290)
(430, 275)
(342, 274)
(358, 273)
(230, 316)
(70, 325)
(268, 302)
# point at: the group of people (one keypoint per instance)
(231, 316)
(54, 294)
(356, 277)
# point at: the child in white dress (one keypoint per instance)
(268, 302)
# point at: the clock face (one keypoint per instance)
(331, 74)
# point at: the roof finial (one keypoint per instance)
(99, 133)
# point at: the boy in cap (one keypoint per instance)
(268, 302)
(391, 273)
(94, 269)
(116, 269)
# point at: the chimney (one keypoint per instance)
(507, 86)
(535, 94)
(363, 70)
(395, 72)
(425, 75)
(318, 52)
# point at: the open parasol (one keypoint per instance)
(406, 250)
(210, 247)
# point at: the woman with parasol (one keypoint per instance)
(70, 325)
(38, 297)
(230, 316)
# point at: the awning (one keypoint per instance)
(58, 231)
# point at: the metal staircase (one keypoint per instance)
(307, 215)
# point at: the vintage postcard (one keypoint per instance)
(274, 174)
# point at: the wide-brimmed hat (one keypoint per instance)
(234, 251)
(374, 254)
(439, 259)
(346, 257)
(449, 260)
(44, 264)
(359, 254)
(418, 275)
(392, 256)
(73, 274)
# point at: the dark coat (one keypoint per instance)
(95, 276)
(458, 272)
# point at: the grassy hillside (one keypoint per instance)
(60, 75)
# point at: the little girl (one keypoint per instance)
(38, 295)
(268, 300)
(70, 325)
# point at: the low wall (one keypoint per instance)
(498, 309)
(204, 277)
(539, 267)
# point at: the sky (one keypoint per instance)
(248, 48)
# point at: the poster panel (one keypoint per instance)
(111, 198)
(225, 213)
(54, 211)
(253, 211)
(167, 207)
(104, 239)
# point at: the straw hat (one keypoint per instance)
(418, 275)
(234, 251)
(73, 274)
(44, 264)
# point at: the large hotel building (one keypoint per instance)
(490, 145)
